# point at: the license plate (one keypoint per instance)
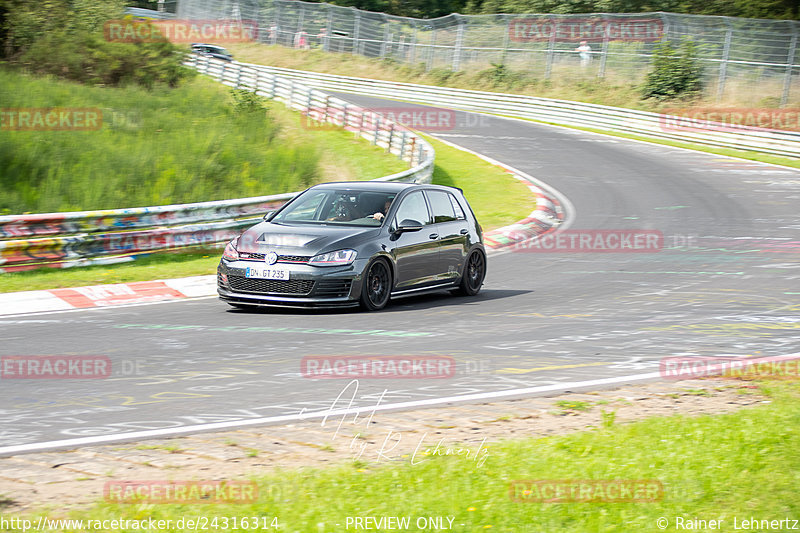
(266, 273)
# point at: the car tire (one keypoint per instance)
(474, 274)
(376, 286)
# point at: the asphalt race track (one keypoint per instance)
(727, 283)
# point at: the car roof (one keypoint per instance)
(208, 45)
(388, 186)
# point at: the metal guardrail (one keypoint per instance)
(561, 112)
(80, 238)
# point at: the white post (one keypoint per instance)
(787, 82)
(723, 65)
(548, 67)
(356, 28)
(459, 43)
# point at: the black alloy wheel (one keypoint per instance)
(377, 286)
(474, 273)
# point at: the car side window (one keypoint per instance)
(457, 208)
(441, 206)
(413, 208)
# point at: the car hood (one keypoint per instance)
(302, 239)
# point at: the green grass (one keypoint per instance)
(573, 85)
(174, 145)
(510, 202)
(343, 155)
(742, 465)
(165, 146)
(573, 405)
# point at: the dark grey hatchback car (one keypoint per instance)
(350, 243)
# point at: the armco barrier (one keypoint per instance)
(561, 112)
(77, 238)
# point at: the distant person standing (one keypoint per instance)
(301, 40)
(585, 53)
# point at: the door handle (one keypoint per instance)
(433, 236)
(464, 231)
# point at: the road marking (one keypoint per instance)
(555, 367)
(277, 329)
(109, 308)
(327, 413)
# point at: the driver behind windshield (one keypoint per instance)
(346, 208)
(382, 213)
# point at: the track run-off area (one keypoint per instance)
(725, 284)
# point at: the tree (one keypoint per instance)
(676, 72)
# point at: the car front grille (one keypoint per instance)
(281, 258)
(293, 258)
(296, 287)
(333, 288)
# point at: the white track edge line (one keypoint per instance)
(168, 432)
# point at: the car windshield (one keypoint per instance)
(337, 206)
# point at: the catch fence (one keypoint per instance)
(736, 54)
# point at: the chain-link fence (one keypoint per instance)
(738, 55)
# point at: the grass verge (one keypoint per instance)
(343, 156)
(510, 201)
(567, 81)
(166, 146)
(711, 468)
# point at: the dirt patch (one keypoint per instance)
(72, 479)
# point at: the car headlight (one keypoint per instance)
(337, 258)
(231, 253)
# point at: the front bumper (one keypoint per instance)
(308, 286)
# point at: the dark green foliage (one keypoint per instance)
(407, 8)
(88, 58)
(675, 73)
(65, 38)
(25, 21)
(503, 78)
(498, 74)
(444, 76)
(248, 102)
(776, 9)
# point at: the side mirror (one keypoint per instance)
(268, 215)
(408, 225)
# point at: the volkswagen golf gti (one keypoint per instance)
(351, 243)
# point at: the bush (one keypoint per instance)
(245, 101)
(497, 75)
(676, 72)
(88, 58)
(502, 77)
(65, 38)
(24, 22)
